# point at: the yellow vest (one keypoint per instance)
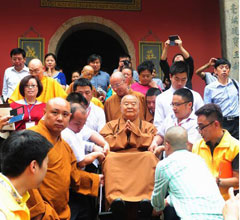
(9, 206)
(225, 151)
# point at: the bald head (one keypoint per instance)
(117, 75)
(36, 68)
(87, 72)
(177, 138)
(130, 107)
(119, 84)
(57, 115)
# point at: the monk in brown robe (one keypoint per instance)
(50, 200)
(112, 104)
(129, 171)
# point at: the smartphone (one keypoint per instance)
(172, 39)
(16, 118)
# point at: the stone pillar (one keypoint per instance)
(229, 13)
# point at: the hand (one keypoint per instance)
(106, 149)
(101, 179)
(159, 150)
(130, 127)
(101, 157)
(178, 42)
(153, 84)
(212, 61)
(4, 121)
(231, 207)
(153, 146)
(156, 213)
(167, 43)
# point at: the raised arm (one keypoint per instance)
(200, 71)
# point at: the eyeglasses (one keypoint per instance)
(117, 85)
(34, 71)
(201, 128)
(31, 86)
(177, 104)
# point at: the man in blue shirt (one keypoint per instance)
(225, 93)
(192, 190)
(100, 78)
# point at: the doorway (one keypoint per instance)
(79, 45)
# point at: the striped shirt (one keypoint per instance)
(193, 191)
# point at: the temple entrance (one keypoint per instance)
(81, 36)
(78, 46)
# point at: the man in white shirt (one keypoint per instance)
(85, 152)
(183, 115)
(178, 77)
(96, 116)
(15, 73)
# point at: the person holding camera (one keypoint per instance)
(125, 60)
(183, 56)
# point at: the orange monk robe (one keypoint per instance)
(51, 89)
(94, 100)
(149, 117)
(61, 173)
(141, 137)
(129, 173)
(112, 107)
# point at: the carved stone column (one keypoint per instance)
(229, 12)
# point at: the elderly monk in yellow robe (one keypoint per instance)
(121, 88)
(51, 88)
(129, 171)
(50, 200)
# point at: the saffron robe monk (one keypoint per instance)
(121, 88)
(51, 88)
(129, 136)
(51, 198)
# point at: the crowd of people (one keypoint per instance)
(156, 146)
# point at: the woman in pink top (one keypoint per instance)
(146, 82)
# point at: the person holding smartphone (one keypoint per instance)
(175, 40)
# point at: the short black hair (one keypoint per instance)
(125, 55)
(212, 112)
(20, 149)
(177, 54)
(81, 82)
(16, 51)
(94, 57)
(179, 67)
(153, 92)
(185, 93)
(222, 61)
(145, 65)
(76, 97)
(24, 82)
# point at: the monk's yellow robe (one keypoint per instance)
(62, 172)
(51, 89)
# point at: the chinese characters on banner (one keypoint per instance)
(149, 50)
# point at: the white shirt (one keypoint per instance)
(189, 124)
(96, 118)
(77, 144)
(163, 105)
(11, 79)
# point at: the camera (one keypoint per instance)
(126, 62)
